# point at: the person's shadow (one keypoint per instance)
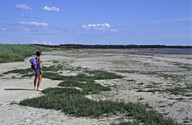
(17, 89)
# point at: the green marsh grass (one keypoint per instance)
(173, 77)
(175, 91)
(49, 71)
(185, 66)
(127, 123)
(89, 86)
(12, 53)
(73, 101)
(98, 74)
(20, 71)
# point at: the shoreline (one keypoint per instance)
(147, 51)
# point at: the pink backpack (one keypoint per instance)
(33, 62)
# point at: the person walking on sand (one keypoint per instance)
(38, 71)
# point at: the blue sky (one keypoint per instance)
(140, 22)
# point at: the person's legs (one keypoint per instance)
(35, 81)
(39, 79)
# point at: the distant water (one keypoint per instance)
(165, 51)
(152, 51)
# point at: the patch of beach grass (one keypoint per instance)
(20, 71)
(98, 74)
(73, 102)
(176, 78)
(53, 68)
(131, 80)
(53, 76)
(55, 61)
(11, 53)
(175, 91)
(140, 83)
(88, 86)
(178, 90)
(82, 77)
(185, 66)
(179, 99)
(24, 72)
(141, 90)
(47, 71)
(127, 123)
(149, 86)
(188, 67)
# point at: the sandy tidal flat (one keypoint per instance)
(161, 82)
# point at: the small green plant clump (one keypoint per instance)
(127, 123)
(51, 70)
(175, 91)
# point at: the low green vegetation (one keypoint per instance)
(73, 101)
(98, 74)
(83, 81)
(55, 68)
(175, 91)
(176, 78)
(88, 85)
(29, 72)
(11, 53)
(127, 123)
(19, 71)
(188, 67)
(185, 66)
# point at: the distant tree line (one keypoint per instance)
(81, 46)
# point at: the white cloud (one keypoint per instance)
(47, 43)
(35, 42)
(55, 9)
(34, 24)
(114, 30)
(44, 42)
(23, 6)
(102, 27)
(107, 25)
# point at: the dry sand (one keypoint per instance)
(141, 72)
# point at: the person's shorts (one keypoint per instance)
(37, 70)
